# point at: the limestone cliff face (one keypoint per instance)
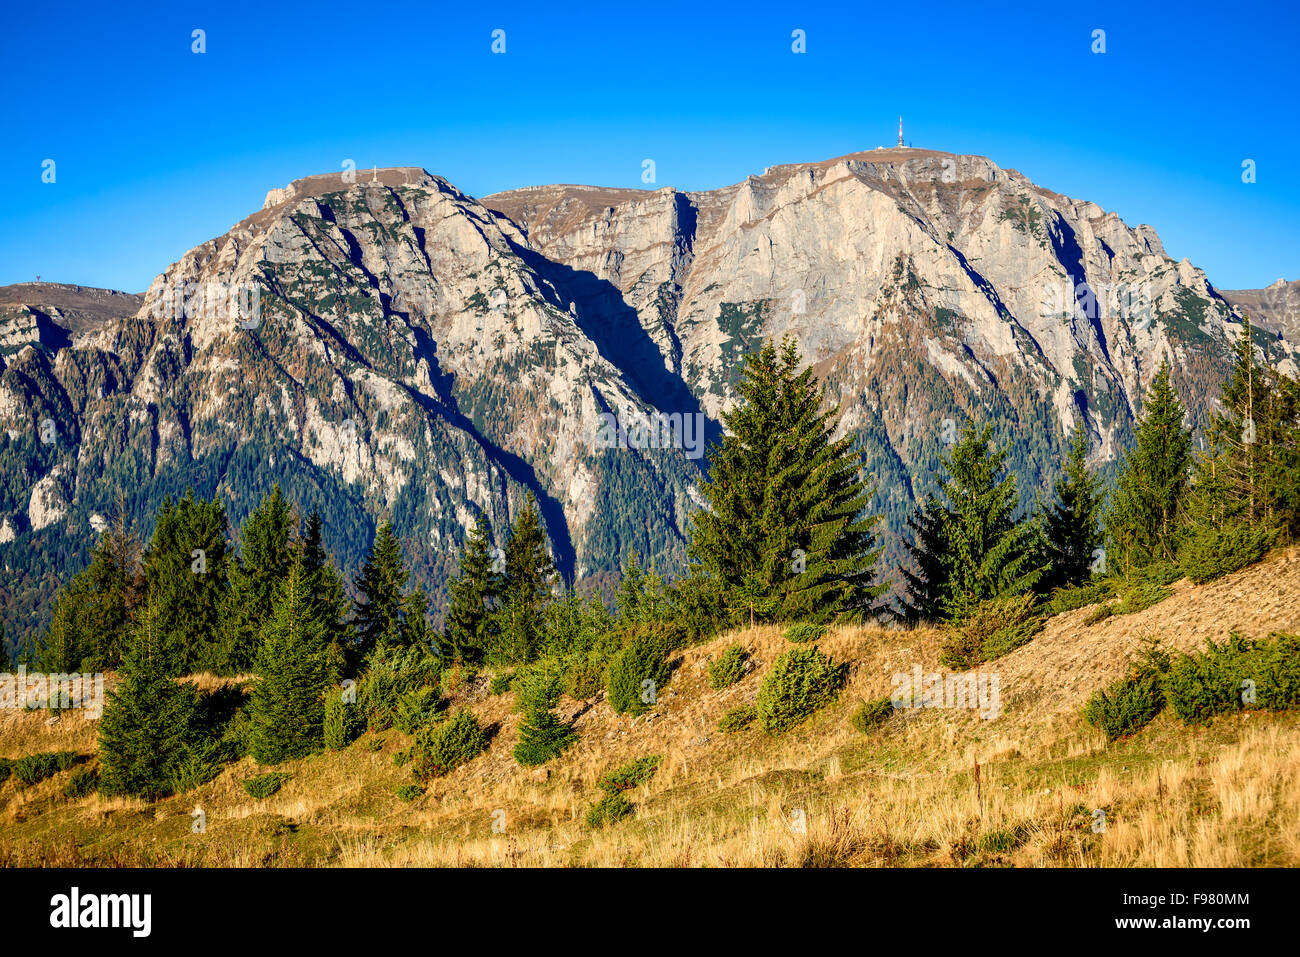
(383, 344)
(926, 287)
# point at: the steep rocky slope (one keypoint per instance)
(407, 350)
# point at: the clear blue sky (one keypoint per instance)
(158, 148)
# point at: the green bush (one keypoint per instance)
(738, 719)
(1130, 704)
(37, 767)
(232, 743)
(542, 735)
(195, 769)
(872, 714)
(609, 809)
(1125, 706)
(1100, 613)
(82, 783)
(995, 628)
(344, 722)
(500, 684)
(638, 673)
(584, 676)
(802, 680)
(629, 775)
(441, 748)
(408, 792)
(264, 785)
(1141, 596)
(1068, 599)
(6, 769)
(1216, 552)
(1226, 677)
(417, 708)
(390, 674)
(729, 667)
(804, 632)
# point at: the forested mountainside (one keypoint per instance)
(403, 350)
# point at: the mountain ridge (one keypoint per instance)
(427, 356)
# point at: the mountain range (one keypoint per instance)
(383, 345)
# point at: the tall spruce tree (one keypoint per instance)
(255, 576)
(786, 534)
(970, 545)
(1142, 522)
(147, 728)
(473, 595)
(529, 579)
(186, 572)
(327, 596)
(287, 707)
(380, 586)
(1072, 524)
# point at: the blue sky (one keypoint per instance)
(158, 148)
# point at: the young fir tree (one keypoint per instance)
(287, 707)
(1248, 473)
(145, 731)
(786, 535)
(186, 572)
(326, 596)
(1146, 507)
(1072, 523)
(380, 585)
(640, 596)
(255, 576)
(972, 546)
(91, 627)
(473, 595)
(529, 578)
(542, 735)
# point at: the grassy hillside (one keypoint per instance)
(907, 793)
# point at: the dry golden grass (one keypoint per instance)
(821, 795)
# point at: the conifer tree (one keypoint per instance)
(326, 596)
(186, 571)
(786, 534)
(529, 578)
(91, 627)
(970, 545)
(1147, 505)
(147, 727)
(255, 576)
(380, 585)
(542, 735)
(641, 595)
(287, 707)
(473, 595)
(1072, 523)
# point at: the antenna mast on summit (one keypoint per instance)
(900, 132)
